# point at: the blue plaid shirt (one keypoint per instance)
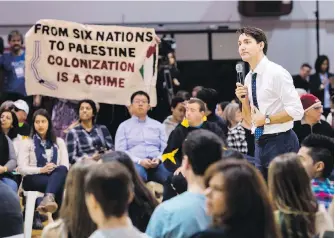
(81, 143)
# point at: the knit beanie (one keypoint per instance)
(309, 101)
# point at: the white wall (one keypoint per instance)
(142, 12)
(292, 38)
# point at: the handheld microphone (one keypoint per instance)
(239, 70)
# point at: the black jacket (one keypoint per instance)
(300, 82)
(220, 122)
(315, 82)
(172, 156)
(303, 130)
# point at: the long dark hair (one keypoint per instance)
(248, 210)
(13, 132)
(50, 132)
(291, 191)
(318, 63)
(73, 211)
(144, 203)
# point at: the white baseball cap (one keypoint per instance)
(22, 105)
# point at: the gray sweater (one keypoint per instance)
(12, 161)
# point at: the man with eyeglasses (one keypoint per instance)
(311, 123)
(143, 139)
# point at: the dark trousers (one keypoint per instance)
(47, 183)
(268, 148)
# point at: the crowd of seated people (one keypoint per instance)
(202, 155)
(179, 162)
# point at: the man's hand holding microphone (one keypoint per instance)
(241, 92)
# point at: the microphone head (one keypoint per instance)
(239, 68)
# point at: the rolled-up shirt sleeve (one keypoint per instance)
(289, 95)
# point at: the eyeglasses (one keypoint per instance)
(318, 107)
(140, 101)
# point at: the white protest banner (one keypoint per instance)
(103, 63)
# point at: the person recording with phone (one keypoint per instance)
(269, 100)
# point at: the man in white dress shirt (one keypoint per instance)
(269, 100)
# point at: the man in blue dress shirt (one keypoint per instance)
(143, 139)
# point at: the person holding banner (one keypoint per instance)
(143, 139)
(13, 66)
(88, 140)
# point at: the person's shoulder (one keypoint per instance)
(220, 121)
(297, 123)
(125, 123)
(297, 126)
(25, 124)
(325, 124)
(314, 76)
(277, 69)
(75, 128)
(6, 55)
(25, 141)
(213, 126)
(181, 202)
(154, 122)
(102, 127)
(170, 206)
(167, 120)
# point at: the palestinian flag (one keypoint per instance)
(148, 68)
